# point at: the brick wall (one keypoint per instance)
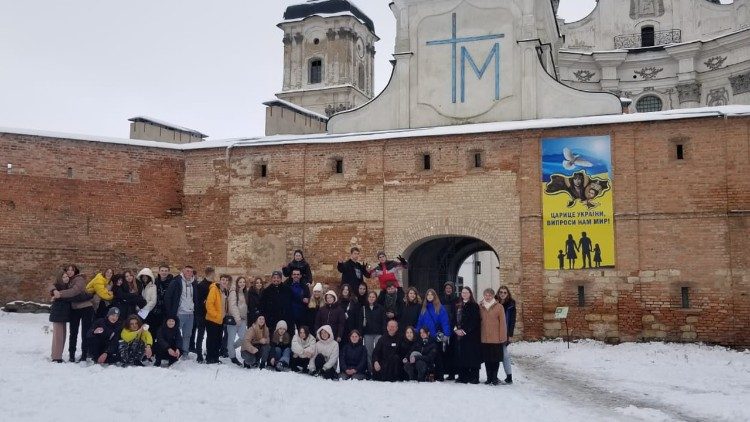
(679, 223)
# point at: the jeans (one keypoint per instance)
(186, 328)
(260, 358)
(370, 341)
(506, 359)
(235, 335)
(282, 355)
(84, 317)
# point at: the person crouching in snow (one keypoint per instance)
(421, 361)
(353, 359)
(169, 342)
(256, 345)
(303, 348)
(281, 347)
(103, 337)
(135, 342)
(326, 356)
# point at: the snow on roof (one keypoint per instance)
(317, 7)
(722, 111)
(295, 107)
(167, 125)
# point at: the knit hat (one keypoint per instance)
(113, 311)
(278, 273)
(318, 287)
(381, 253)
(281, 324)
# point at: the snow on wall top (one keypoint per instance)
(167, 125)
(295, 107)
(722, 111)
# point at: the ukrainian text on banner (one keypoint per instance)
(577, 210)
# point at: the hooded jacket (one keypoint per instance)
(215, 304)
(169, 338)
(300, 347)
(149, 289)
(333, 316)
(329, 349)
(254, 336)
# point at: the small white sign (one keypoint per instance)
(561, 312)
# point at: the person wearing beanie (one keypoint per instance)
(103, 337)
(256, 346)
(281, 348)
(168, 342)
(332, 315)
(276, 300)
(317, 301)
(387, 270)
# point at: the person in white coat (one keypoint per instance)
(147, 279)
(303, 348)
(237, 309)
(325, 360)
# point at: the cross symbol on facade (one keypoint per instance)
(454, 41)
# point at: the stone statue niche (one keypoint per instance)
(646, 8)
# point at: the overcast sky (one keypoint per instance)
(86, 66)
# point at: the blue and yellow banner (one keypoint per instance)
(577, 210)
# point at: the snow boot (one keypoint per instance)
(509, 379)
(236, 362)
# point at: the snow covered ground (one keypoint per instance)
(591, 381)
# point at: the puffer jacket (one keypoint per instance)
(353, 356)
(169, 338)
(215, 304)
(237, 307)
(333, 316)
(278, 340)
(329, 349)
(149, 289)
(255, 335)
(128, 336)
(76, 287)
(98, 286)
(301, 347)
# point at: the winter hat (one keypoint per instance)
(281, 324)
(147, 272)
(278, 273)
(381, 253)
(113, 311)
(332, 293)
(318, 287)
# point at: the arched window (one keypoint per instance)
(648, 103)
(361, 77)
(316, 71)
(647, 36)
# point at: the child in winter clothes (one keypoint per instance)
(353, 359)
(256, 345)
(303, 348)
(281, 347)
(326, 356)
(103, 337)
(135, 342)
(169, 342)
(421, 360)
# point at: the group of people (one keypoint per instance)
(292, 323)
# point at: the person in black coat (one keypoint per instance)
(386, 358)
(276, 301)
(421, 360)
(408, 343)
(372, 324)
(252, 299)
(411, 310)
(299, 263)
(352, 271)
(350, 306)
(331, 314)
(448, 300)
(506, 299)
(392, 301)
(104, 336)
(198, 333)
(468, 338)
(169, 342)
(156, 316)
(353, 358)
(124, 298)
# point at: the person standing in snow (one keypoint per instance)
(163, 278)
(316, 302)
(180, 302)
(332, 315)
(386, 270)
(169, 342)
(373, 325)
(299, 263)
(350, 306)
(59, 316)
(82, 310)
(253, 300)
(104, 337)
(281, 348)
(124, 299)
(237, 309)
(326, 356)
(215, 312)
(506, 299)
(494, 334)
(303, 348)
(198, 332)
(469, 338)
(300, 299)
(435, 319)
(276, 301)
(352, 271)
(353, 358)
(448, 299)
(146, 277)
(386, 358)
(411, 309)
(256, 346)
(392, 301)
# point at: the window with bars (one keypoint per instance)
(316, 71)
(648, 103)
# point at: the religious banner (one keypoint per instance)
(577, 210)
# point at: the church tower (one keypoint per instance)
(329, 56)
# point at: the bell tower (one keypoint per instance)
(329, 56)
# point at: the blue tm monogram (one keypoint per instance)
(466, 57)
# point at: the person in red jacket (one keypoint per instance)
(386, 270)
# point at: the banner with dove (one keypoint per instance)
(577, 209)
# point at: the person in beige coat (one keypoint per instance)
(494, 335)
(81, 313)
(237, 309)
(256, 345)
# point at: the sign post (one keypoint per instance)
(562, 313)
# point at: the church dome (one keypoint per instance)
(327, 7)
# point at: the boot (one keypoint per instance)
(509, 379)
(236, 362)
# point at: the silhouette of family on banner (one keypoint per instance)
(584, 246)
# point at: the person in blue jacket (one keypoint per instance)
(353, 358)
(434, 317)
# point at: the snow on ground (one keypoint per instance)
(34, 389)
(707, 382)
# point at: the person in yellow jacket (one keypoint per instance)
(100, 287)
(215, 310)
(135, 343)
